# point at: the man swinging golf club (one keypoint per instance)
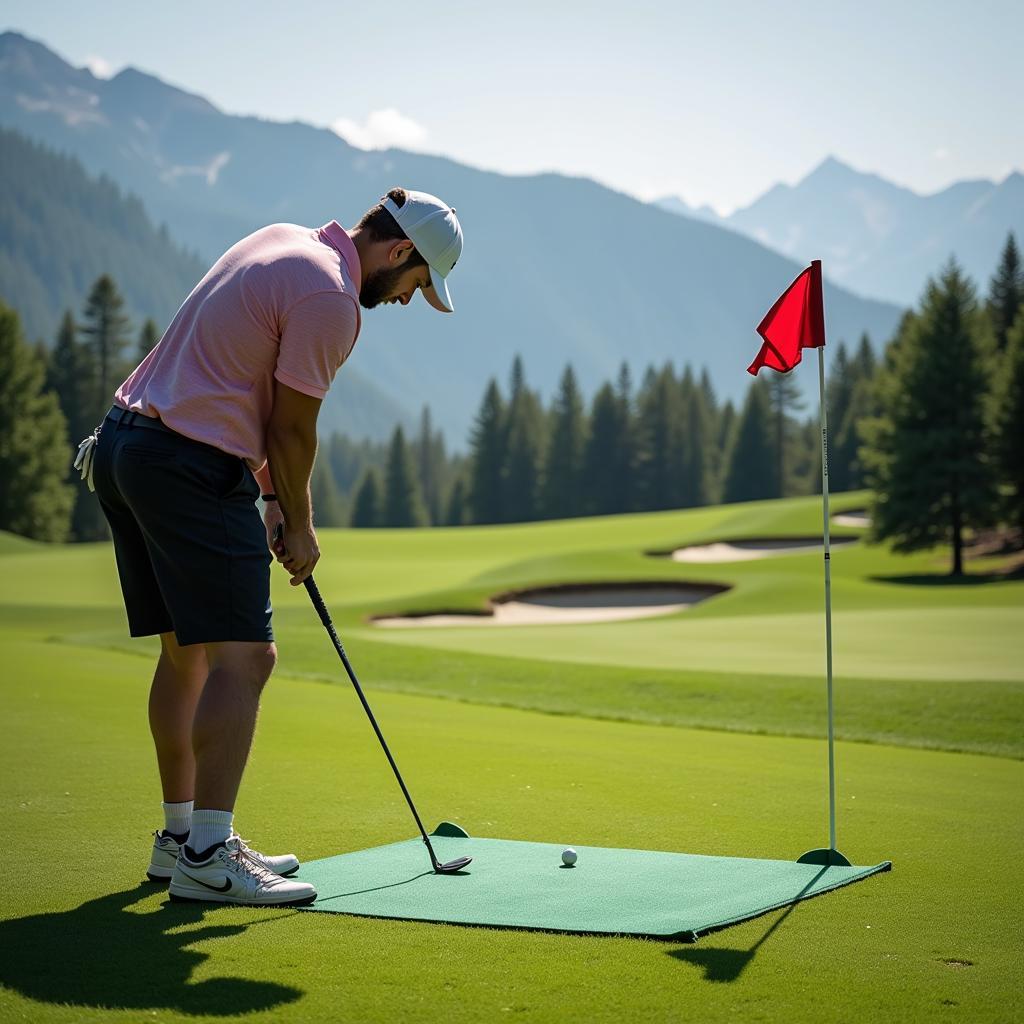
(223, 409)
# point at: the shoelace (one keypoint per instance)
(247, 859)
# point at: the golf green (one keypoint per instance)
(525, 885)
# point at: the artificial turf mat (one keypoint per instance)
(514, 884)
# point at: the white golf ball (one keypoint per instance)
(569, 856)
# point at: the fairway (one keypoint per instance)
(699, 733)
(942, 644)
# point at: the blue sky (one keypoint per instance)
(712, 101)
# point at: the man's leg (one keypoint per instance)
(225, 718)
(177, 686)
(214, 865)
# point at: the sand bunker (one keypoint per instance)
(748, 550)
(855, 517)
(572, 604)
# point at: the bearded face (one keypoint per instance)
(381, 286)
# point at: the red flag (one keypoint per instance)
(795, 322)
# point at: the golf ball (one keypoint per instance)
(569, 856)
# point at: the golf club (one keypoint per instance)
(318, 603)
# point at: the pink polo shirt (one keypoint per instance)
(281, 304)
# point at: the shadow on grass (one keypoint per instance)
(729, 964)
(726, 964)
(947, 580)
(101, 955)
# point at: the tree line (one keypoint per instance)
(933, 426)
(50, 398)
(667, 444)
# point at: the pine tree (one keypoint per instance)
(148, 337)
(430, 463)
(601, 481)
(927, 451)
(1009, 424)
(563, 467)
(864, 361)
(715, 447)
(784, 396)
(35, 498)
(842, 380)
(349, 459)
(517, 379)
(624, 455)
(402, 503)
(726, 429)
(68, 374)
(328, 507)
(487, 448)
(695, 470)
(366, 509)
(1006, 292)
(455, 513)
(805, 458)
(752, 471)
(660, 441)
(524, 450)
(106, 330)
(71, 374)
(851, 399)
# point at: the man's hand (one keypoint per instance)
(297, 550)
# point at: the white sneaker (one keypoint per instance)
(166, 847)
(235, 876)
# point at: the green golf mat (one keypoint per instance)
(514, 884)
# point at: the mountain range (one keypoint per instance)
(556, 269)
(874, 237)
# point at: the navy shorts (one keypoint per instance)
(190, 542)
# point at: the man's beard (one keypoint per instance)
(378, 286)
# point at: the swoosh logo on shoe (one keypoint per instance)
(206, 885)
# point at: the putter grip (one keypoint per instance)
(318, 602)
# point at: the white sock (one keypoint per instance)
(178, 817)
(208, 829)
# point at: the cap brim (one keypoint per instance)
(439, 296)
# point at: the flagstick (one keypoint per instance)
(829, 855)
(828, 601)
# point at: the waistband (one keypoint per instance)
(127, 418)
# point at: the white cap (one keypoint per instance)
(433, 228)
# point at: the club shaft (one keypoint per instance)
(325, 618)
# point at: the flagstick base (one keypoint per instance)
(829, 858)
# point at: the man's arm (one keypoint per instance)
(291, 449)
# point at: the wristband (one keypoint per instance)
(268, 497)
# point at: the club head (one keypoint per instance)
(452, 866)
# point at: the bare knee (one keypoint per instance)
(252, 663)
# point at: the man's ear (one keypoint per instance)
(399, 252)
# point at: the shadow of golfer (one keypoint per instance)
(104, 956)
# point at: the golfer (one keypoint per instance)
(224, 409)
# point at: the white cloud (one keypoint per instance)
(99, 66)
(941, 153)
(383, 128)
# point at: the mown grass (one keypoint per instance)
(85, 940)
(615, 761)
